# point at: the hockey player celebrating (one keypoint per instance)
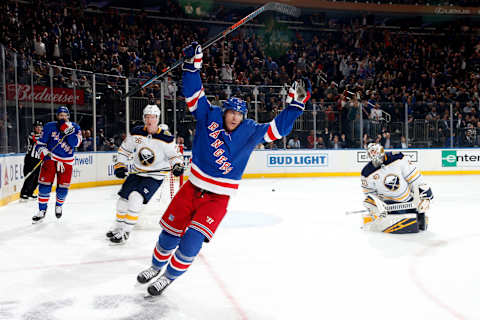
(56, 148)
(31, 182)
(222, 145)
(397, 197)
(154, 153)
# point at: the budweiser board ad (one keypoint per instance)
(42, 94)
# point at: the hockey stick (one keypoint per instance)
(164, 170)
(348, 94)
(271, 6)
(390, 207)
(41, 161)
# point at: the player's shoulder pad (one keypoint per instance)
(75, 125)
(163, 135)
(369, 169)
(139, 131)
(392, 156)
(49, 125)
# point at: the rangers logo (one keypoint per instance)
(146, 156)
(392, 182)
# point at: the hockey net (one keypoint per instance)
(151, 214)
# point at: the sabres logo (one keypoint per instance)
(146, 156)
(392, 182)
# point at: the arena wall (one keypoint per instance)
(96, 169)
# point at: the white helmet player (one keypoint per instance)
(151, 109)
(376, 153)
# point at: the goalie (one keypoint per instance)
(396, 196)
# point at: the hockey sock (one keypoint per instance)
(122, 209)
(62, 192)
(43, 195)
(163, 250)
(135, 203)
(189, 247)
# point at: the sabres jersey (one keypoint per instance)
(393, 181)
(219, 157)
(52, 135)
(152, 154)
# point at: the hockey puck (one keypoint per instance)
(273, 190)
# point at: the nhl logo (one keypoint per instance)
(392, 182)
(146, 156)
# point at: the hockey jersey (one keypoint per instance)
(64, 151)
(32, 140)
(394, 180)
(151, 153)
(219, 158)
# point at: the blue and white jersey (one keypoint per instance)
(64, 151)
(394, 180)
(149, 153)
(219, 158)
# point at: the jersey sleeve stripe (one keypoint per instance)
(193, 100)
(272, 132)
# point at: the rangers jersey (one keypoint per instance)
(393, 181)
(153, 154)
(64, 151)
(219, 158)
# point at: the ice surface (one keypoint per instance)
(291, 253)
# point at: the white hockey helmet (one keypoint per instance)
(376, 153)
(151, 109)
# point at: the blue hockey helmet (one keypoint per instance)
(63, 109)
(236, 104)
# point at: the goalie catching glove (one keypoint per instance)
(299, 93)
(193, 57)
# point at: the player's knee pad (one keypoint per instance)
(44, 189)
(62, 192)
(135, 202)
(168, 241)
(191, 243)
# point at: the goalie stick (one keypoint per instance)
(271, 6)
(396, 206)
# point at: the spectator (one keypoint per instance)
(294, 143)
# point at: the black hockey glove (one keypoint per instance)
(177, 170)
(120, 171)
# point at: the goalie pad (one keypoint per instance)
(392, 223)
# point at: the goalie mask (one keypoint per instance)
(376, 153)
(151, 109)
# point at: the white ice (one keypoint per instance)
(286, 250)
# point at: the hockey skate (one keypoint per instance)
(147, 275)
(119, 237)
(38, 217)
(58, 212)
(157, 287)
(23, 198)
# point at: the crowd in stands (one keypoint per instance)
(357, 71)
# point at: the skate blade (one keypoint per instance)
(38, 221)
(113, 244)
(149, 297)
